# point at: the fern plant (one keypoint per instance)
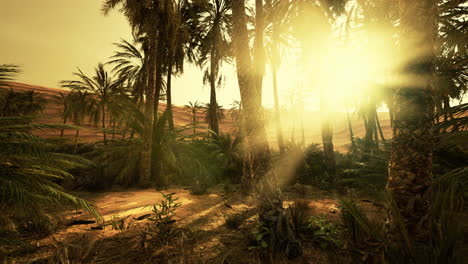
(163, 216)
(30, 175)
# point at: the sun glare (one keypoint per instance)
(343, 72)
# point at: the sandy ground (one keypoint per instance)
(203, 214)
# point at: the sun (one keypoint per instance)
(346, 71)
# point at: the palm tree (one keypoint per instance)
(79, 106)
(63, 99)
(21, 103)
(276, 18)
(350, 129)
(410, 165)
(193, 110)
(144, 18)
(185, 33)
(314, 20)
(236, 117)
(259, 49)
(269, 203)
(102, 86)
(14, 103)
(374, 17)
(28, 180)
(130, 67)
(29, 170)
(219, 113)
(7, 73)
(215, 48)
(451, 67)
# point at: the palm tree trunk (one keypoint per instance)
(269, 203)
(124, 134)
(76, 140)
(214, 125)
(410, 165)
(259, 49)
(104, 124)
(113, 129)
(161, 179)
(376, 135)
(370, 125)
(147, 135)
(350, 128)
(379, 127)
(279, 129)
(194, 121)
(214, 122)
(327, 138)
(391, 115)
(213, 111)
(63, 129)
(169, 95)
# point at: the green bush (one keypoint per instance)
(30, 173)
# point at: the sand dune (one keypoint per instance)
(292, 127)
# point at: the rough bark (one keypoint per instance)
(410, 165)
(169, 95)
(147, 136)
(327, 138)
(350, 129)
(194, 121)
(113, 128)
(279, 129)
(213, 111)
(104, 124)
(370, 126)
(391, 115)
(269, 203)
(76, 140)
(161, 180)
(259, 50)
(64, 122)
(379, 127)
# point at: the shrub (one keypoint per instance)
(30, 172)
(234, 221)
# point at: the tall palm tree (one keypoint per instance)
(193, 108)
(410, 165)
(7, 73)
(144, 18)
(21, 103)
(215, 48)
(269, 203)
(129, 65)
(219, 113)
(63, 99)
(276, 20)
(29, 170)
(259, 49)
(451, 63)
(314, 21)
(102, 86)
(79, 104)
(185, 33)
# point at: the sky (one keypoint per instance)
(50, 39)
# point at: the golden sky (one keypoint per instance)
(49, 39)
